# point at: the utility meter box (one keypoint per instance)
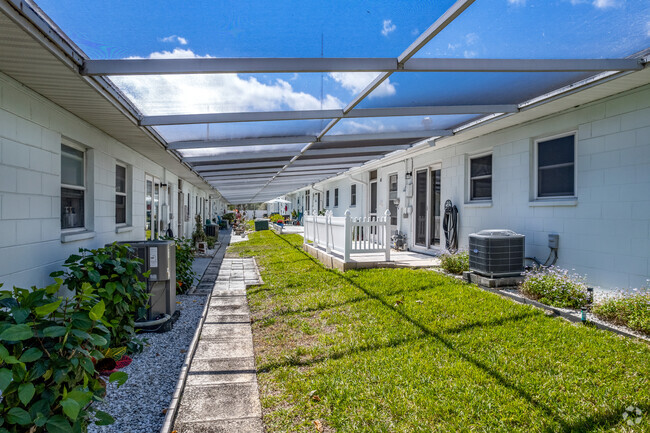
(160, 260)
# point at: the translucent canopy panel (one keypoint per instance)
(372, 125)
(545, 29)
(244, 150)
(156, 95)
(227, 131)
(472, 88)
(257, 28)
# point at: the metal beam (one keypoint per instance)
(435, 28)
(342, 151)
(296, 139)
(235, 65)
(269, 116)
(522, 65)
(388, 136)
(261, 116)
(269, 164)
(241, 156)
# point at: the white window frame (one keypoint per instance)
(470, 199)
(124, 194)
(535, 185)
(353, 204)
(83, 188)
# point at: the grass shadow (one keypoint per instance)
(448, 343)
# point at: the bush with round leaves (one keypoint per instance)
(47, 347)
(114, 272)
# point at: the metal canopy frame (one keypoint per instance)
(250, 174)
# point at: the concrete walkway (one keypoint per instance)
(221, 393)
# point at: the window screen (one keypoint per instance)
(120, 194)
(353, 195)
(327, 198)
(556, 167)
(73, 187)
(480, 178)
(336, 197)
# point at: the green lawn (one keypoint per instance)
(399, 350)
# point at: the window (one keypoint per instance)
(73, 187)
(307, 202)
(353, 195)
(120, 194)
(327, 198)
(480, 178)
(556, 167)
(336, 197)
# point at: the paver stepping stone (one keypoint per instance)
(214, 371)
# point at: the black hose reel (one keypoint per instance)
(450, 226)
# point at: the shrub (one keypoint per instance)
(229, 216)
(184, 259)
(632, 311)
(211, 242)
(274, 218)
(556, 287)
(47, 346)
(455, 263)
(113, 271)
(199, 234)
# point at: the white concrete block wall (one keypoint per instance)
(604, 235)
(31, 132)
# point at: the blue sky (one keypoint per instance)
(347, 28)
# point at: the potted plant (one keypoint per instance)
(198, 236)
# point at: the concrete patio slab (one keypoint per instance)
(224, 330)
(216, 371)
(249, 425)
(220, 402)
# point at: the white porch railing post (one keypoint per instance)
(387, 234)
(328, 227)
(348, 237)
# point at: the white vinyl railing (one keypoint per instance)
(347, 235)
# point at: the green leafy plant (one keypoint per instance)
(556, 287)
(114, 273)
(229, 217)
(455, 263)
(212, 240)
(632, 311)
(294, 214)
(185, 275)
(47, 347)
(276, 217)
(199, 234)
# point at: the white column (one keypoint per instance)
(348, 237)
(387, 234)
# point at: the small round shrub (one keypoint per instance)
(556, 287)
(632, 311)
(455, 263)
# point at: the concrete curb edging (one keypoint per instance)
(182, 377)
(567, 316)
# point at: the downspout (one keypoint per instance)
(322, 192)
(366, 188)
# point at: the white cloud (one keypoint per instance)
(214, 93)
(471, 38)
(517, 2)
(415, 32)
(355, 82)
(647, 28)
(388, 27)
(604, 4)
(174, 38)
(469, 54)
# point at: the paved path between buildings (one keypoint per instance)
(221, 393)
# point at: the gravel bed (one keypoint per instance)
(140, 404)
